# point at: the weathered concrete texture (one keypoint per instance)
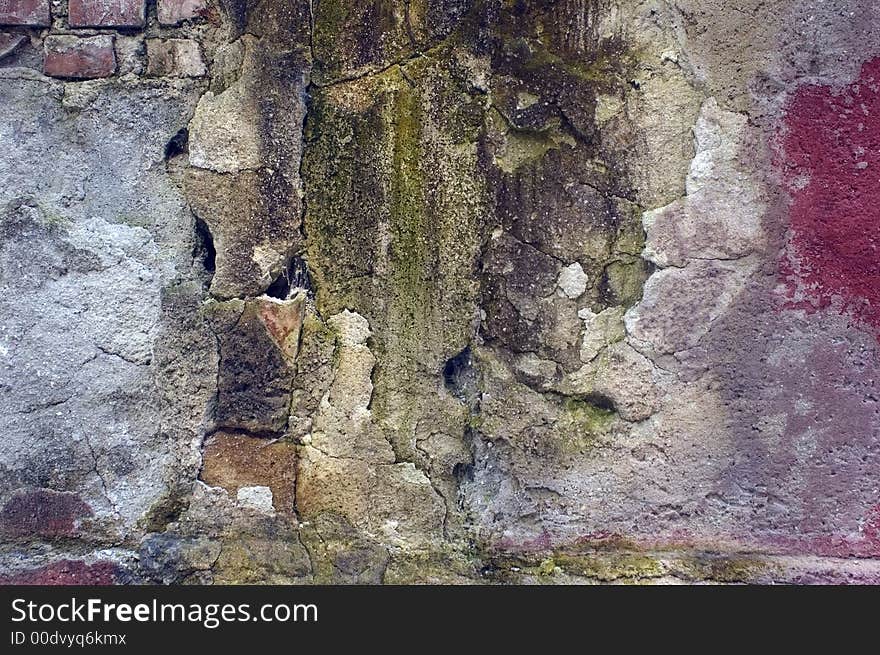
(480, 291)
(88, 252)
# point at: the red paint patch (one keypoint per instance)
(538, 544)
(43, 513)
(283, 321)
(67, 572)
(832, 167)
(871, 530)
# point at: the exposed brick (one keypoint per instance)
(174, 12)
(107, 13)
(233, 461)
(9, 43)
(79, 58)
(43, 513)
(174, 57)
(68, 572)
(24, 12)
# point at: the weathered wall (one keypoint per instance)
(306, 291)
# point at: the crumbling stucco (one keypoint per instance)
(324, 291)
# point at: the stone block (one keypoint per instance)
(174, 12)
(174, 58)
(25, 12)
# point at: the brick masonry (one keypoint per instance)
(174, 58)
(79, 58)
(67, 55)
(174, 12)
(107, 13)
(25, 12)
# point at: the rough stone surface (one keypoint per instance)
(43, 513)
(441, 292)
(573, 281)
(256, 498)
(68, 572)
(255, 372)
(9, 43)
(236, 462)
(225, 132)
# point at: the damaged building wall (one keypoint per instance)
(325, 291)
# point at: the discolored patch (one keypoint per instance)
(255, 376)
(283, 321)
(68, 572)
(870, 532)
(43, 513)
(234, 461)
(831, 163)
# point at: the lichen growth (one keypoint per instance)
(409, 224)
(445, 564)
(723, 568)
(610, 567)
(519, 147)
(617, 567)
(624, 281)
(583, 426)
(590, 417)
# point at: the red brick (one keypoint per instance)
(233, 461)
(43, 513)
(174, 12)
(24, 12)
(107, 13)
(79, 58)
(68, 572)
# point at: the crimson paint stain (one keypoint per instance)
(68, 572)
(831, 155)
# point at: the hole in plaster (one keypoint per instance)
(460, 377)
(600, 401)
(455, 366)
(280, 288)
(177, 145)
(463, 472)
(292, 279)
(204, 249)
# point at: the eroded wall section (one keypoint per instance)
(439, 290)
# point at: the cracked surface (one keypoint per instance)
(445, 291)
